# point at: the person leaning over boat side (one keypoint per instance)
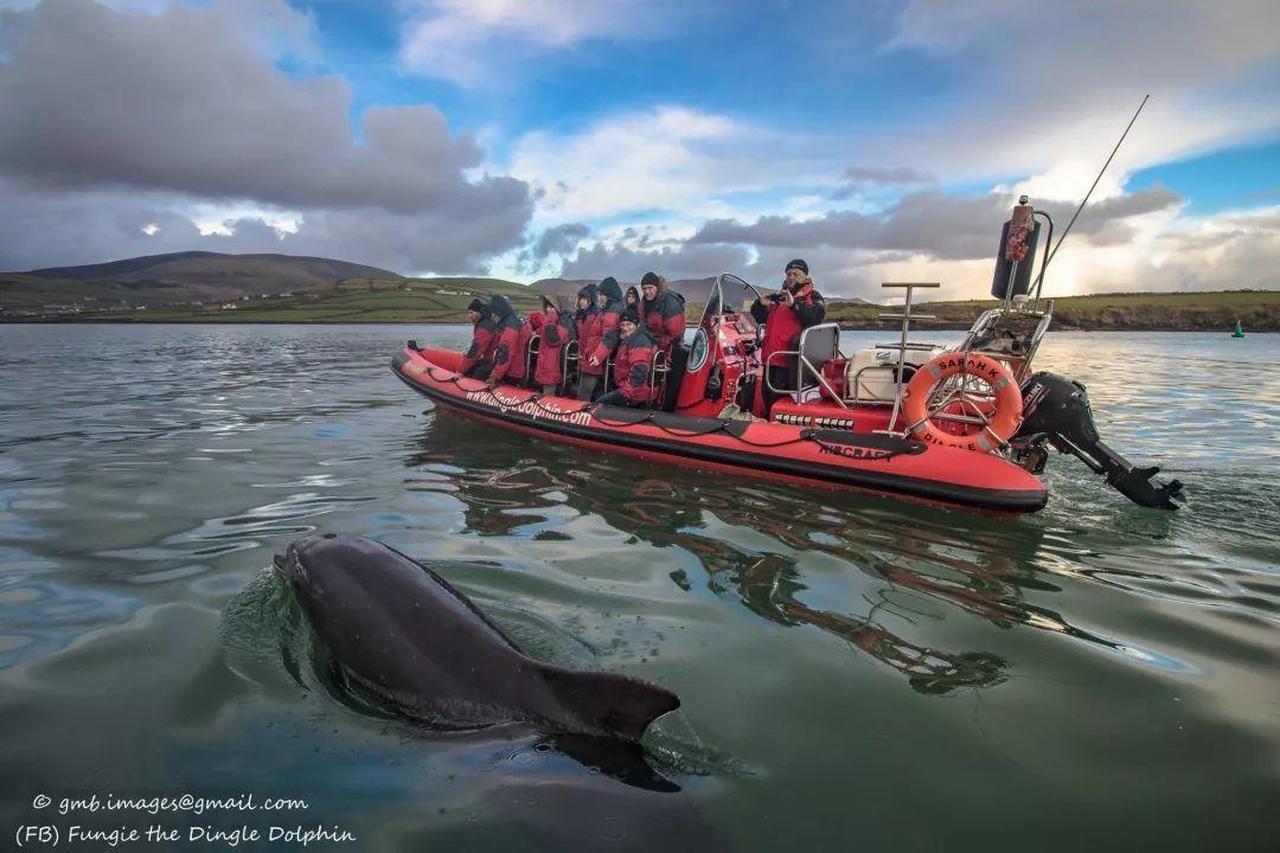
(600, 339)
(532, 325)
(477, 361)
(794, 308)
(662, 311)
(507, 333)
(557, 330)
(631, 363)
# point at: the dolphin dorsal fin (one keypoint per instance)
(608, 703)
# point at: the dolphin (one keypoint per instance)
(403, 632)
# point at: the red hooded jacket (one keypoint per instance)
(664, 316)
(507, 330)
(557, 330)
(520, 360)
(604, 330)
(631, 365)
(483, 341)
(783, 323)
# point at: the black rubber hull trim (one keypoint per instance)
(997, 499)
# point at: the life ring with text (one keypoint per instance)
(1002, 414)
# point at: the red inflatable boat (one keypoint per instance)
(969, 425)
(802, 454)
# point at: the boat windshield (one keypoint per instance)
(729, 295)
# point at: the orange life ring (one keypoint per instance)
(1002, 423)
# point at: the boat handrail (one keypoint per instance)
(810, 358)
(985, 328)
(569, 373)
(658, 366)
(901, 347)
(531, 355)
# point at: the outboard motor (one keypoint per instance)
(1056, 411)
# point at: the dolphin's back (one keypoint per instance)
(404, 631)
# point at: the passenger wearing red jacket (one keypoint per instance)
(631, 364)
(662, 311)
(557, 330)
(601, 338)
(520, 366)
(790, 311)
(584, 323)
(507, 332)
(477, 361)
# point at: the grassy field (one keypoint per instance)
(364, 300)
(1258, 310)
(444, 300)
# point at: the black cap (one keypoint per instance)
(649, 278)
(631, 315)
(798, 264)
(477, 306)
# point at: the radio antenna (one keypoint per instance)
(1076, 215)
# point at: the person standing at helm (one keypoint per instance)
(478, 359)
(507, 337)
(601, 339)
(785, 314)
(661, 311)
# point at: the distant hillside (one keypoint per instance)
(157, 280)
(563, 286)
(693, 289)
(1258, 310)
(349, 300)
(195, 267)
(207, 287)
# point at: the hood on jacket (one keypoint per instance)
(500, 308)
(549, 303)
(640, 338)
(634, 291)
(609, 287)
(588, 293)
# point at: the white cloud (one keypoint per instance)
(1071, 76)
(186, 120)
(684, 162)
(460, 40)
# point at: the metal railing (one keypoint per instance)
(902, 345)
(818, 345)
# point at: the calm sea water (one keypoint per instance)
(857, 672)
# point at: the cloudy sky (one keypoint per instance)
(880, 139)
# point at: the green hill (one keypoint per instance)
(1258, 310)
(212, 287)
(182, 277)
(349, 300)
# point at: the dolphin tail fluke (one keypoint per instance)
(616, 705)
